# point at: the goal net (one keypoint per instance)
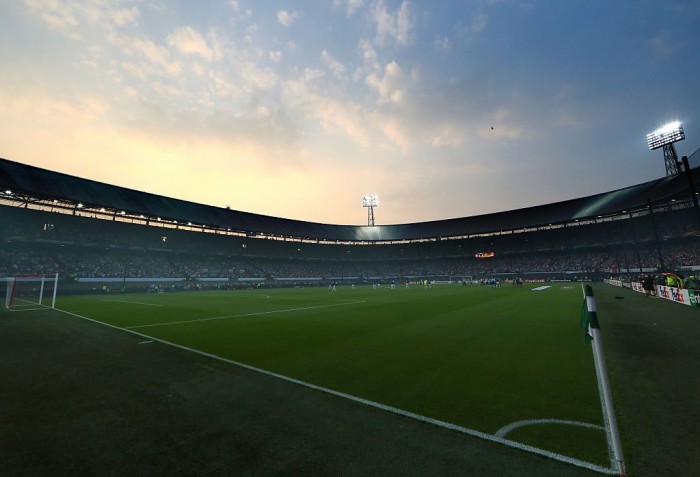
(29, 292)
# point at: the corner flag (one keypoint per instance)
(589, 314)
(589, 321)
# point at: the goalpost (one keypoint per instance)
(30, 292)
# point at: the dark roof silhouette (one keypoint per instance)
(47, 185)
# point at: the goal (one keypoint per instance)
(30, 292)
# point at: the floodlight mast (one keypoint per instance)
(664, 137)
(370, 202)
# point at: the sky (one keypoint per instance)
(298, 109)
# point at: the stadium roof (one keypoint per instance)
(43, 184)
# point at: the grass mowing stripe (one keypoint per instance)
(472, 356)
(245, 314)
(134, 302)
(377, 405)
(480, 358)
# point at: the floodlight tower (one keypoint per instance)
(664, 137)
(370, 202)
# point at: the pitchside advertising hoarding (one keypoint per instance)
(678, 295)
(636, 286)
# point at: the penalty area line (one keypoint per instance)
(242, 315)
(418, 417)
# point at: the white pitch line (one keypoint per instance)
(134, 302)
(42, 307)
(92, 310)
(376, 405)
(242, 315)
(503, 431)
(241, 295)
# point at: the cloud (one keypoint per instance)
(167, 92)
(286, 18)
(125, 16)
(134, 70)
(189, 41)
(370, 59)
(222, 87)
(198, 69)
(390, 86)
(236, 8)
(392, 26)
(661, 47)
(351, 6)
(73, 18)
(156, 54)
(689, 8)
(442, 43)
(335, 66)
(348, 119)
(479, 20)
(507, 124)
(224, 93)
(57, 15)
(39, 107)
(447, 134)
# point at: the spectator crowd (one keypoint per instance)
(43, 243)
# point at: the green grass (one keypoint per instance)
(653, 356)
(473, 356)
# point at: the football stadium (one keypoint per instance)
(349, 238)
(145, 334)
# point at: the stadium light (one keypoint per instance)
(666, 134)
(8, 192)
(664, 137)
(80, 205)
(370, 202)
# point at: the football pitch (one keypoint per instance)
(506, 364)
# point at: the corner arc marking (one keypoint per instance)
(503, 431)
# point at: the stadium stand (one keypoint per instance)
(88, 231)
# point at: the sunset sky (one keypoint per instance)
(299, 108)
